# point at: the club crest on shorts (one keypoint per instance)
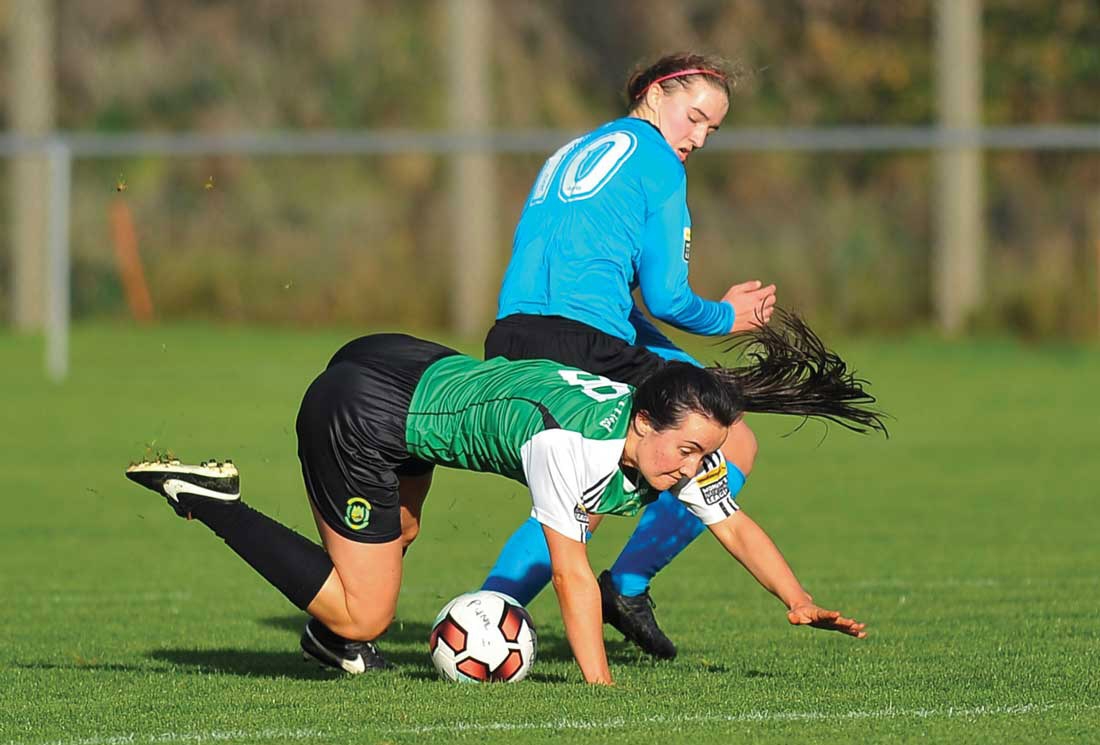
(357, 513)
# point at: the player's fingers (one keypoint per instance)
(856, 629)
(750, 286)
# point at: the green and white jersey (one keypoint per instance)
(559, 430)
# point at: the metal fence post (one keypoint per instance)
(58, 275)
(957, 259)
(473, 178)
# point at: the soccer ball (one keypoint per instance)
(483, 636)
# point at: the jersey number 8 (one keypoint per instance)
(595, 386)
(587, 170)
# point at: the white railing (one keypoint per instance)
(62, 148)
(828, 139)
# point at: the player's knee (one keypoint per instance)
(365, 628)
(740, 447)
(409, 532)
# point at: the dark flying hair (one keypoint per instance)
(679, 388)
(792, 372)
(715, 70)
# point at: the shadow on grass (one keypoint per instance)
(288, 664)
(405, 645)
(406, 642)
(761, 674)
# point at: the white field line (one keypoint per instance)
(754, 716)
(968, 582)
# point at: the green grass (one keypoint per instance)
(968, 541)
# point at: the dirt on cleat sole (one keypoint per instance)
(210, 469)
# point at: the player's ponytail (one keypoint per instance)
(792, 372)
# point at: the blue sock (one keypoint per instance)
(523, 567)
(666, 529)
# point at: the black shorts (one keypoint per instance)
(572, 343)
(351, 433)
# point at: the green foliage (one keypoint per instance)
(845, 236)
(966, 541)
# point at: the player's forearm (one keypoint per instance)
(687, 311)
(582, 614)
(749, 544)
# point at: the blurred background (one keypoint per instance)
(891, 166)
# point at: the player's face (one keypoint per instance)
(666, 456)
(688, 116)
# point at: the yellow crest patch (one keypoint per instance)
(357, 513)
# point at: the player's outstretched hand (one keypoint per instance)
(752, 304)
(811, 615)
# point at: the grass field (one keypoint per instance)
(968, 541)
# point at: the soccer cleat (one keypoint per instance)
(633, 617)
(186, 486)
(321, 644)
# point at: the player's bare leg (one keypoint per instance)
(356, 603)
(303, 571)
(413, 490)
(359, 598)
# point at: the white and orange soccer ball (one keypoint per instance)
(483, 637)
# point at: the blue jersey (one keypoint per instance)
(608, 214)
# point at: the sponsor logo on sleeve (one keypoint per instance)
(580, 514)
(714, 484)
(687, 244)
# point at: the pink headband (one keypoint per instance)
(681, 74)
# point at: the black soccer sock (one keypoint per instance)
(293, 564)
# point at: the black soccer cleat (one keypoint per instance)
(331, 650)
(186, 486)
(633, 617)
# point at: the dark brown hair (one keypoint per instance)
(667, 396)
(791, 371)
(719, 73)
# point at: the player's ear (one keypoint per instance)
(642, 424)
(653, 96)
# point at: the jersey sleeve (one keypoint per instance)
(650, 337)
(663, 273)
(553, 467)
(707, 496)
